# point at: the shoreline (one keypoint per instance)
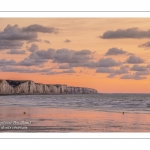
(70, 120)
(80, 110)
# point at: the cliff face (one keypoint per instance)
(30, 87)
(80, 90)
(5, 88)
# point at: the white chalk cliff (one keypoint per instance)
(80, 90)
(30, 87)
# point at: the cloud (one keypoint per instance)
(28, 61)
(104, 70)
(24, 70)
(134, 60)
(4, 62)
(107, 62)
(62, 72)
(122, 70)
(13, 33)
(69, 71)
(46, 41)
(103, 62)
(52, 73)
(145, 45)
(45, 54)
(66, 59)
(39, 28)
(71, 56)
(82, 58)
(7, 44)
(38, 58)
(83, 52)
(65, 67)
(135, 77)
(65, 56)
(139, 68)
(13, 66)
(13, 36)
(67, 41)
(81, 64)
(126, 33)
(139, 73)
(148, 66)
(15, 51)
(116, 51)
(113, 72)
(33, 48)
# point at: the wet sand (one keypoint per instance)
(23, 119)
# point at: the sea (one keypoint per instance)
(102, 112)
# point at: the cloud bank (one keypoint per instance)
(126, 33)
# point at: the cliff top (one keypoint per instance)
(18, 82)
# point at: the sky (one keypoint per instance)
(110, 55)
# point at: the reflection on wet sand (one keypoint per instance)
(72, 120)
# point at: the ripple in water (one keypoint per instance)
(99, 102)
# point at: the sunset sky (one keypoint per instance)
(108, 54)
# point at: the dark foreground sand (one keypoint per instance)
(23, 119)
